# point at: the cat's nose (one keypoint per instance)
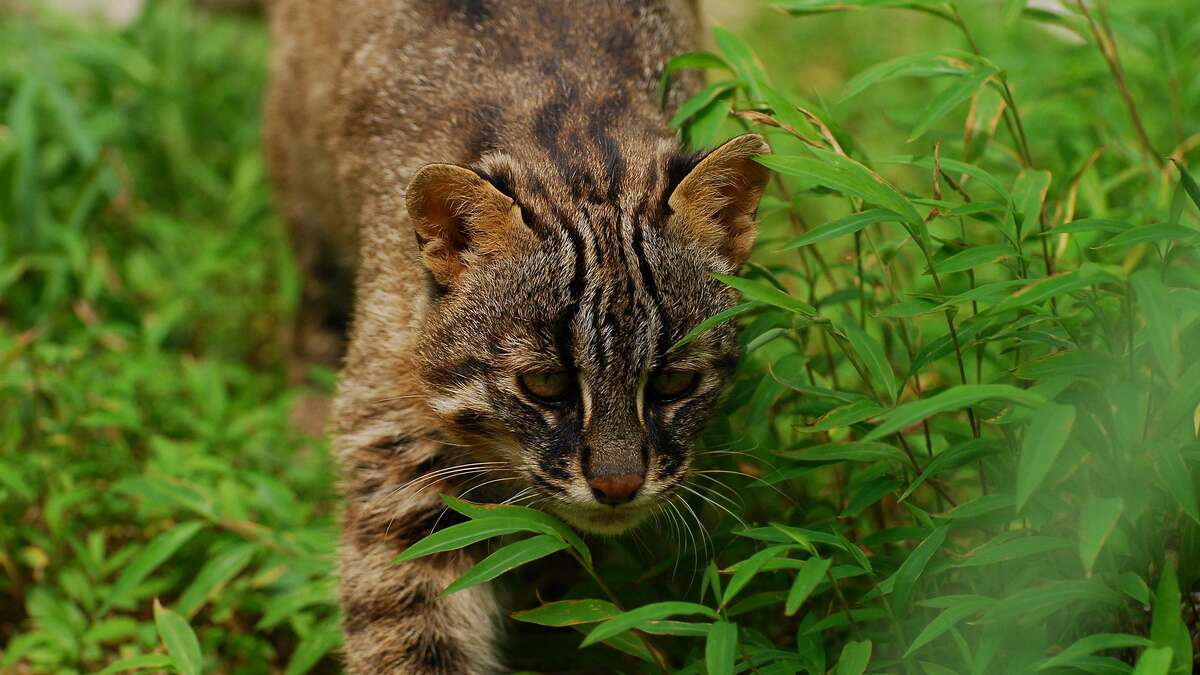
(616, 490)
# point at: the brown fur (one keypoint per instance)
(556, 225)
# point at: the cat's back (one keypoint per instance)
(364, 92)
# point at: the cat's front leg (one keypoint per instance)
(393, 618)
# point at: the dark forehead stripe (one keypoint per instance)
(664, 328)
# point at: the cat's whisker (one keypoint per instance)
(700, 527)
(714, 494)
(722, 485)
(704, 537)
(449, 471)
(714, 503)
(756, 479)
(519, 496)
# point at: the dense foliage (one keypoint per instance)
(963, 437)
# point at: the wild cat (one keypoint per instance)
(531, 241)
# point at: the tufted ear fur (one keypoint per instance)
(715, 204)
(459, 218)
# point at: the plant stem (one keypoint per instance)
(1107, 45)
(659, 658)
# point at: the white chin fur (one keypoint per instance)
(607, 521)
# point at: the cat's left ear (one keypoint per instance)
(460, 219)
(715, 204)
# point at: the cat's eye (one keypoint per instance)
(670, 385)
(546, 387)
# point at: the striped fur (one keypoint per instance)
(564, 231)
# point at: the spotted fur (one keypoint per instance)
(520, 205)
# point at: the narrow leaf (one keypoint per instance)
(720, 648)
(1096, 524)
(955, 398)
(179, 639)
(806, 581)
(507, 558)
(149, 558)
(1044, 439)
(766, 294)
(843, 226)
(914, 565)
(855, 658)
(568, 613)
(950, 98)
(636, 617)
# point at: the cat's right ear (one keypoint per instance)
(460, 218)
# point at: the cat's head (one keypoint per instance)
(557, 304)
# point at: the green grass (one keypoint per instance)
(962, 439)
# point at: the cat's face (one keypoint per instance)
(549, 344)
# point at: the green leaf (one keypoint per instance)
(1097, 522)
(179, 639)
(1048, 430)
(1156, 232)
(1090, 225)
(214, 576)
(871, 352)
(846, 415)
(952, 458)
(1188, 182)
(855, 658)
(741, 59)
(538, 521)
(1032, 605)
(319, 641)
(950, 98)
(972, 258)
(712, 322)
(702, 131)
(1028, 195)
(720, 648)
(568, 613)
(800, 537)
(952, 166)
(955, 398)
(1090, 645)
(766, 294)
(636, 617)
(625, 642)
(948, 62)
(868, 493)
(914, 565)
(846, 452)
(1000, 550)
(694, 105)
(1043, 289)
(785, 109)
(1155, 309)
(1167, 627)
(507, 558)
(848, 177)
(746, 570)
(843, 226)
(683, 62)
(684, 628)
(149, 558)
(956, 608)
(806, 581)
(463, 535)
(1155, 661)
(158, 662)
(1173, 471)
